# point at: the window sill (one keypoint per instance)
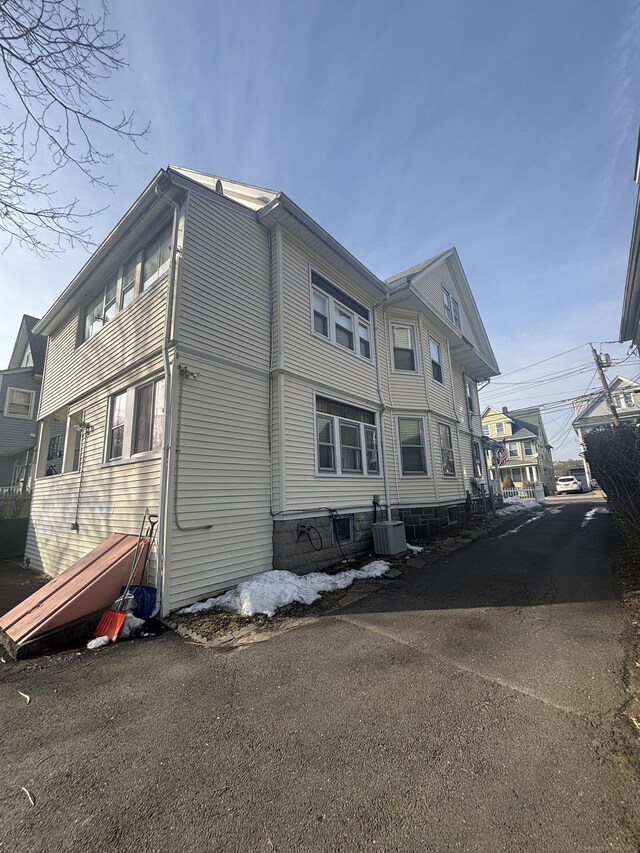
(139, 457)
(349, 476)
(335, 344)
(416, 476)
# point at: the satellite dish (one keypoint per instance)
(219, 188)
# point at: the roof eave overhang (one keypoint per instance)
(147, 200)
(282, 210)
(630, 320)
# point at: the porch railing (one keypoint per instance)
(534, 493)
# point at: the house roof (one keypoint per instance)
(405, 275)
(37, 344)
(617, 384)
(630, 320)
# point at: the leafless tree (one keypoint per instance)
(54, 60)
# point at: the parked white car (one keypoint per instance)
(568, 485)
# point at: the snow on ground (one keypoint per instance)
(267, 592)
(515, 505)
(415, 549)
(520, 526)
(590, 515)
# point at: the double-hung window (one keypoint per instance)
(149, 417)
(469, 394)
(528, 448)
(499, 428)
(513, 449)
(156, 257)
(129, 273)
(485, 429)
(451, 308)
(446, 450)
(346, 439)
(403, 339)
(413, 454)
(339, 318)
(19, 403)
(115, 434)
(436, 360)
(136, 421)
(625, 400)
(101, 310)
(477, 459)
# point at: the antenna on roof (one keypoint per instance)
(219, 188)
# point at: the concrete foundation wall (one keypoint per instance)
(426, 521)
(293, 551)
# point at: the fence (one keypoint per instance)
(532, 493)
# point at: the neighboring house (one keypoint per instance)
(19, 392)
(594, 411)
(224, 361)
(527, 450)
(630, 322)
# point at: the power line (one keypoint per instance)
(543, 360)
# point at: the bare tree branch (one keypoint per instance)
(55, 58)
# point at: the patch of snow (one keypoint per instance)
(131, 625)
(512, 506)
(590, 515)
(520, 526)
(554, 510)
(98, 643)
(415, 549)
(267, 592)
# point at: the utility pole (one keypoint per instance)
(605, 387)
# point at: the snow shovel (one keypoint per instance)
(145, 595)
(113, 618)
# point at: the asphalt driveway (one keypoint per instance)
(473, 705)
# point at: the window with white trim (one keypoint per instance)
(115, 430)
(485, 429)
(500, 428)
(129, 281)
(403, 341)
(451, 308)
(477, 459)
(513, 449)
(156, 256)
(413, 454)
(528, 448)
(149, 417)
(446, 450)
(27, 358)
(135, 422)
(436, 360)
(625, 400)
(469, 394)
(346, 439)
(339, 318)
(19, 403)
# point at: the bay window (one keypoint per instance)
(403, 339)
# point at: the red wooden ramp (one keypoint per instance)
(74, 596)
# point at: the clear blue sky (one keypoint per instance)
(505, 129)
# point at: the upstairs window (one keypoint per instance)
(528, 448)
(513, 449)
(469, 394)
(625, 400)
(446, 450)
(451, 308)
(27, 358)
(346, 439)
(412, 445)
(19, 403)
(156, 256)
(131, 279)
(500, 428)
(436, 361)
(404, 348)
(339, 318)
(485, 429)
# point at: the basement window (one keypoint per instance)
(341, 529)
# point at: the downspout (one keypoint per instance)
(168, 395)
(383, 445)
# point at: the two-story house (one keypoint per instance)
(527, 458)
(19, 394)
(224, 361)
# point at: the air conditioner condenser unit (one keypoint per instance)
(389, 538)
